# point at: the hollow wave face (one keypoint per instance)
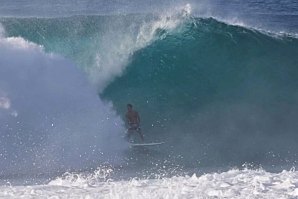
(218, 94)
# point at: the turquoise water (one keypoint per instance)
(216, 81)
(212, 89)
(216, 91)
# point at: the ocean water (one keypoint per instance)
(216, 81)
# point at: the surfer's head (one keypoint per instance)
(129, 107)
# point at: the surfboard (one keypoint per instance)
(147, 144)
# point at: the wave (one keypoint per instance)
(65, 137)
(225, 94)
(100, 45)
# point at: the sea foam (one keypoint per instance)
(237, 184)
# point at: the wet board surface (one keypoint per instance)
(147, 144)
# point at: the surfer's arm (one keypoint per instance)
(138, 118)
(127, 119)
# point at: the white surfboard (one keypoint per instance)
(148, 144)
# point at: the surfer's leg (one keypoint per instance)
(141, 134)
(128, 134)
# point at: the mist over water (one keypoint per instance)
(51, 117)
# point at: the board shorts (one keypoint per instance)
(134, 127)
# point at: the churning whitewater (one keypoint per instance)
(230, 184)
(223, 98)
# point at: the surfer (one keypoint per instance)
(133, 121)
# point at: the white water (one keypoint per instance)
(237, 184)
(50, 116)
